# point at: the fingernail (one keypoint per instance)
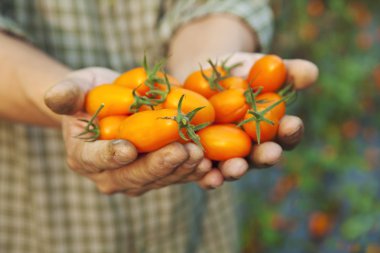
(123, 151)
(235, 168)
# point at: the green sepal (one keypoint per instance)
(201, 126)
(183, 121)
(228, 69)
(91, 127)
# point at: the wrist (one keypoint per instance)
(27, 72)
(208, 38)
(35, 96)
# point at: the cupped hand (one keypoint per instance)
(301, 74)
(114, 165)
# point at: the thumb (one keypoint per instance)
(67, 97)
(301, 73)
(95, 157)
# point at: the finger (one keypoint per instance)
(301, 73)
(266, 154)
(290, 132)
(143, 171)
(67, 97)
(187, 168)
(195, 167)
(211, 180)
(246, 61)
(234, 168)
(203, 167)
(93, 157)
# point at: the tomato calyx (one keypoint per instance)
(289, 93)
(153, 97)
(257, 116)
(215, 77)
(183, 121)
(151, 74)
(227, 68)
(91, 128)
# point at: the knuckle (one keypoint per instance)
(128, 177)
(104, 156)
(184, 171)
(159, 167)
(169, 157)
(195, 154)
(72, 163)
(95, 158)
(86, 159)
(175, 153)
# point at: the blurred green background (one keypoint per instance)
(325, 195)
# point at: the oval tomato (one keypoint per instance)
(137, 76)
(230, 105)
(234, 82)
(319, 224)
(223, 142)
(117, 100)
(196, 82)
(268, 72)
(172, 80)
(149, 130)
(268, 99)
(267, 131)
(132, 79)
(109, 127)
(149, 108)
(191, 101)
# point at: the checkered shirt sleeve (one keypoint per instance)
(47, 208)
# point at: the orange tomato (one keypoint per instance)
(148, 108)
(191, 101)
(234, 82)
(267, 131)
(137, 76)
(149, 131)
(223, 142)
(132, 79)
(172, 80)
(268, 99)
(230, 106)
(320, 224)
(117, 100)
(196, 82)
(109, 127)
(268, 72)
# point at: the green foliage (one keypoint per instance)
(337, 166)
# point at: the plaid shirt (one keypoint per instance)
(44, 206)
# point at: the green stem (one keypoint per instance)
(91, 127)
(183, 121)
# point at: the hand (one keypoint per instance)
(115, 166)
(302, 74)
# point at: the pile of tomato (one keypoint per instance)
(220, 112)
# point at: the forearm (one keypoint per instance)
(25, 75)
(208, 38)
